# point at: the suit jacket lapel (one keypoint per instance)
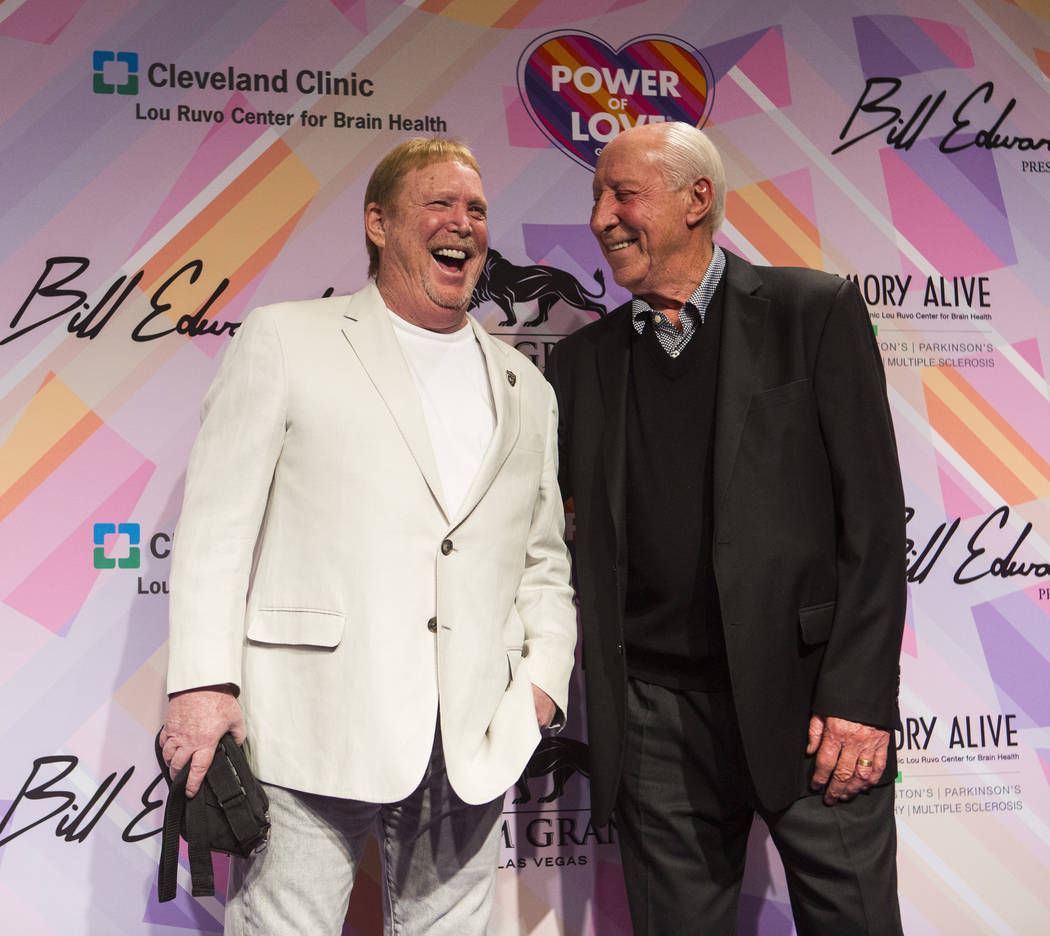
(505, 382)
(371, 337)
(614, 358)
(743, 333)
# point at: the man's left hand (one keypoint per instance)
(545, 707)
(850, 756)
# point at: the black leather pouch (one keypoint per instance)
(228, 815)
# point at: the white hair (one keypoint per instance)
(686, 154)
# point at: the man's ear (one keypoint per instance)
(374, 227)
(701, 198)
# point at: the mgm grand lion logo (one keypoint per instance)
(505, 284)
(560, 758)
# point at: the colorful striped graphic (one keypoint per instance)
(581, 92)
(979, 433)
(238, 233)
(54, 426)
(775, 226)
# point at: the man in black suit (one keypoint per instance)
(726, 440)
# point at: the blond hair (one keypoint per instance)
(384, 186)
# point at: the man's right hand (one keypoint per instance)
(195, 721)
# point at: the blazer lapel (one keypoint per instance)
(614, 358)
(743, 333)
(371, 337)
(505, 382)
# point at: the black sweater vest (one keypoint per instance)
(672, 624)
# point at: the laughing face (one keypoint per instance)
(650, 236)
(432, 244)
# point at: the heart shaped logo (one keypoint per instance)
(581, 92)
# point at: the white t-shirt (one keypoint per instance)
(453, 384)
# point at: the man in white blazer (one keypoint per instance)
(369, 577)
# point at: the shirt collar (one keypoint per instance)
(695, 307)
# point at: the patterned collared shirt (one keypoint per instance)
(693, 312)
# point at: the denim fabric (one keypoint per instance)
(439, 858)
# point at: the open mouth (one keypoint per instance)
(451, 258)
(619, 245)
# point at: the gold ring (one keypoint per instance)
(863, 762)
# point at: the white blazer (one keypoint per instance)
(314, 554)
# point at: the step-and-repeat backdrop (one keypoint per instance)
(166, 166)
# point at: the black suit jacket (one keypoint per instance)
(808, 519)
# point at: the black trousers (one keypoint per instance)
(684, 812)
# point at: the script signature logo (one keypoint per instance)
(87, 320)
(988, 551)
(975, 122)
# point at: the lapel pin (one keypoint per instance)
(512, 378)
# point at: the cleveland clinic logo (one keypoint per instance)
(115, 72)
(126, 535)
(120, 546)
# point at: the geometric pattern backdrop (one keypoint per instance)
(169, 166)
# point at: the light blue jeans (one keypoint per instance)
(439, 859)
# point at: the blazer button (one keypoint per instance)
(432, 625)
(446, 547)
